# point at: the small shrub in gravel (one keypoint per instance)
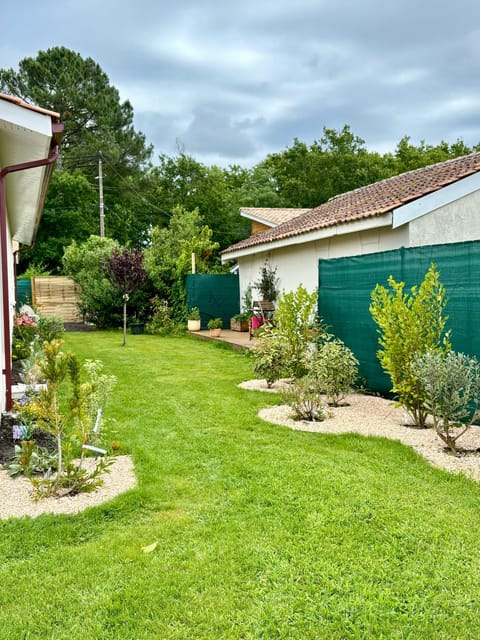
(451, 386)
(334, 368)
(271, 356)
(305, 400)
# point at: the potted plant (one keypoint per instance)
(137, 326)
(239, 322)
(215, 327)
(193, 321)
(267, 284)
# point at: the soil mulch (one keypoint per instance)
(7, 444)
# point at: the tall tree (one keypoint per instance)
(168, 258)
(98, 125)
(70, 213)
(183, 181)
(307, 176)
(407, 156)
(89, 106)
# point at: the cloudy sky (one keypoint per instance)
(233, 80)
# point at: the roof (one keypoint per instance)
(27, 105)
(271, 216)
(28, 135)
(369, 201)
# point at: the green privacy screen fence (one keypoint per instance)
(216, 295)
(24, 292)
(345, 285)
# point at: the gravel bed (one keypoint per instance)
(375, 416)
(17, 501)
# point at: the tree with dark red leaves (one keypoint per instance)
(125, 270)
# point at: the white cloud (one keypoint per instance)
(236, 80)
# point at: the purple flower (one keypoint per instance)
(16, 432)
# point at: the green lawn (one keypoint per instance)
(262, 532)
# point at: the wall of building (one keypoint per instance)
(11, 294)
(298, 264)
(459, 221)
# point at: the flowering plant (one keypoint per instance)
(24, 332)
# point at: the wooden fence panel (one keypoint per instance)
(56, 296)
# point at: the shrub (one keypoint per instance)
(451, 387)
(304, 398)
(335, 369)
(161, 322)
(85, 263)
(271, 356)
(50, 329)
(25, 330)
(296, 319)
(30, 458)
(70, 418)
(215, 323)
(194, 313)
(410, 324)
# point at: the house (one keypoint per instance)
(432, 205)
(267, 218)
(29, 139)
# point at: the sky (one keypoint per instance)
(231, 81)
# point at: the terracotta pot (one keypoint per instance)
(215, 333)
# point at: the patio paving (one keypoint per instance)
(237, 339)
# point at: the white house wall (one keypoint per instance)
(298, 264)
(458, 221)
(11, 281)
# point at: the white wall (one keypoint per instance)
(11, 281)
(298, 264)
(458, 221)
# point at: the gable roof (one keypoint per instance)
(369, 201)
(271, 216)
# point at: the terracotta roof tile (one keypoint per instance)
(272, 215)
(371, 200)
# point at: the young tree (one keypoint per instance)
(452, 392)
(410, 325)
(296, 319)
(168, 259)
(125, 270)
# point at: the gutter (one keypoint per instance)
(7, 371)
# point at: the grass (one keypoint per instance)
(261, 532)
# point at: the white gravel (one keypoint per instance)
(375, 416)
(17, 501)
(366, 415)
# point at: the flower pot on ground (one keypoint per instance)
(193, 321)
(215, 327)
(137, 328)
(193, 325)
(239, 322)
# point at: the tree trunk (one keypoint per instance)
(124, 322)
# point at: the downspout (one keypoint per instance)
(7, 372)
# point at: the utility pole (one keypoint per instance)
(100, 192)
